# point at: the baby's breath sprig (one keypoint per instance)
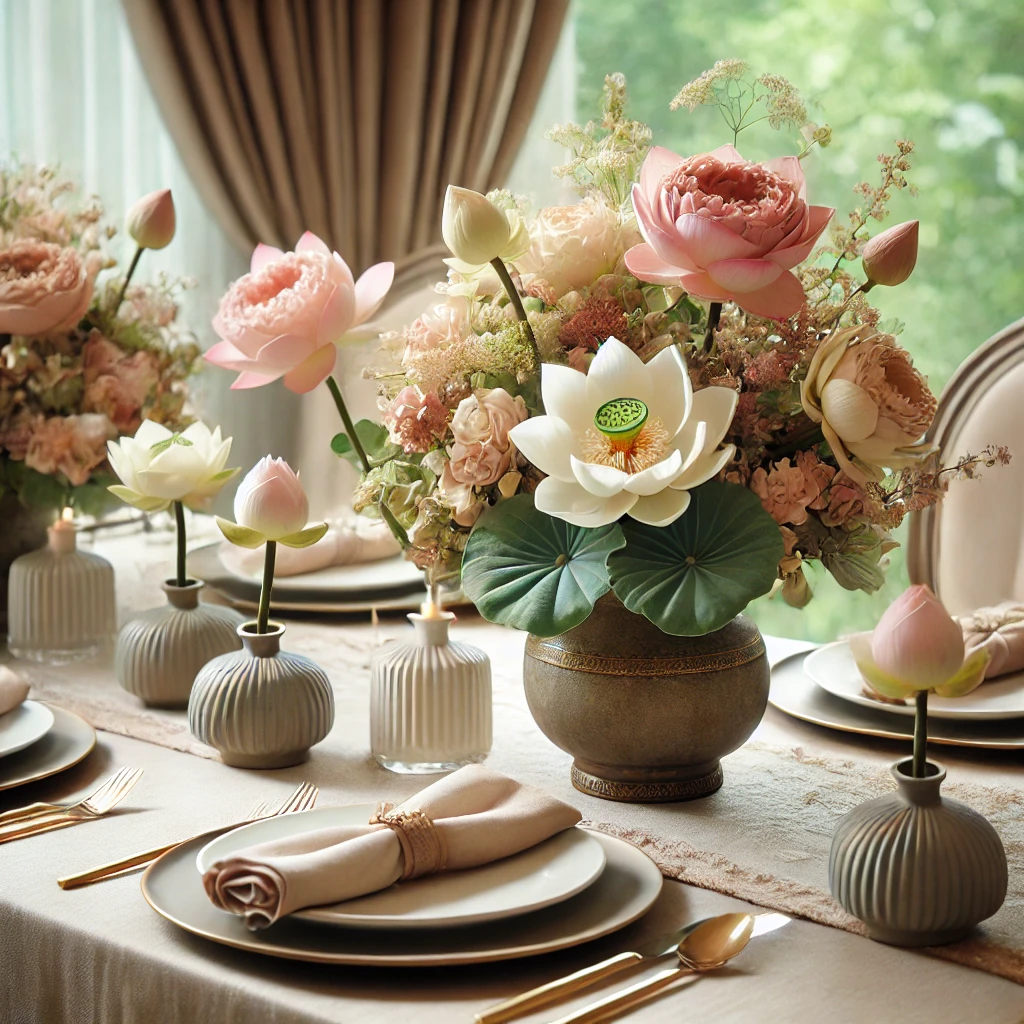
(606, 156)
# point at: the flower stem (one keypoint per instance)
(263, 615)
(128, 277)
(714, 315)
(332, 386)
(517, 304)
(920, 734)
(179, 522)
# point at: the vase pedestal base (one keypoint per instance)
(647, 785)
(898, 937)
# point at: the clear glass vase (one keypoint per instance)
(430, 701)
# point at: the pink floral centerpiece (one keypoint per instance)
(85, 356)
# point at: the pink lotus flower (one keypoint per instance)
(151, 220)
(890, 258)
(44, 287)
(916, 646)
(725, 229)
(284, 317)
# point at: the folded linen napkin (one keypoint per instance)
(13, 690)
(346, 542)
(1000, 631)
(472, 817)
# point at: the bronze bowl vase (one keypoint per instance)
(646, 716)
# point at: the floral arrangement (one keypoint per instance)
(675, 389)
(83, 360)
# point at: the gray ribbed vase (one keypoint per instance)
(917, 869)
(61, 605)
(159, 654)
(261, 707)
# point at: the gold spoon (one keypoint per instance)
(710, 945)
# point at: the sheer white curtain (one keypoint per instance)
(73, 94)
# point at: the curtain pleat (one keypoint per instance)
(344, 117)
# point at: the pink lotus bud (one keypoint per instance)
(151, 220)
(889, 258)
(917, 642)
(271, 501)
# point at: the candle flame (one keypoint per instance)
(68, 514)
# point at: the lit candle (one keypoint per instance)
(62, 533)
(431, 608)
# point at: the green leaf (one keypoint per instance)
(91, 499)
(304, 538)
(241, 536)
(526, 569)
(694, 576)
(374, 438)
(41, 491)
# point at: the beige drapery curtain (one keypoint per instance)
(344, 117)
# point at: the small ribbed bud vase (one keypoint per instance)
(430, 701)
(917, 869)
(159, 653)
(60, 601)
(261, 707)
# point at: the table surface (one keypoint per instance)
(101, 954)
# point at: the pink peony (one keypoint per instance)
(72, 445)
(415, 421)
(486, 417)
(283, 318)
(817, 476)
(477, 464)
(443, 325)
(726, 229)
(44, 287)
(118, 384)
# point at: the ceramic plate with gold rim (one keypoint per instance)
(547, 873)
(67, 742)
(832, 667)
(626, 889)
(794, 693)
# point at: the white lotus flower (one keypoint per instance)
(476, 232)
(627, 437)
(158, 467)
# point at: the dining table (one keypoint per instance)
(101, 954)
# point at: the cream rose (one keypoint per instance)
(873, 406)
(486, 417)
(572, 246)
(44, 287)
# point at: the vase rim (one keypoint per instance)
(190, 584)
(929, 784)
(247, 629)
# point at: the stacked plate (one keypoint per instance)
(824, 686)
(391, 583)
(37, 740)
(575, 887)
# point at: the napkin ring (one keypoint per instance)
(423, 849)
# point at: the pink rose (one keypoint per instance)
(817, 476)
(443, 325)
(784, 492)
(415, 420)
(459, 495)
(846, 500)
(486, 417)
(118, 384)
(44, 287)
(283, 318)
(477, 464)
(72, 445)
(726, 229)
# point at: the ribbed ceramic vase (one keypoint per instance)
(261, 707)
(159, 653)
(917, 869)
(430, 701)
(61, 605)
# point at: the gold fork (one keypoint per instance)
(85, 804)
(301, 800)
(89, 809)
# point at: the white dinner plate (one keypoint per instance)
(832, 667)
(24, 725)
(548, 873)
(627, 888)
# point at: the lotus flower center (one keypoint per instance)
(621, 419)
(625, 437)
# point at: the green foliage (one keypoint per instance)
(526, 569)
(694, 576)
(374, 438)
